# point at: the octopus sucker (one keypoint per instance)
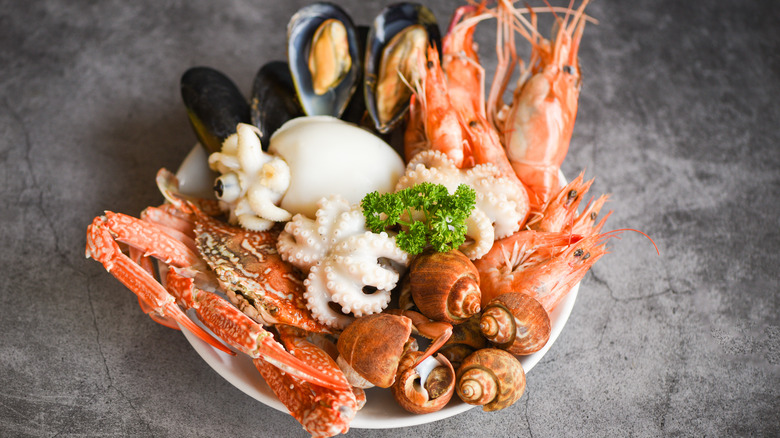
(342, 258)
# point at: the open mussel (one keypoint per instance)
(324, 58)
(215, 106)
(273, 100)
(398, 36)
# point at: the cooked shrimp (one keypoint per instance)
(560, 212)
(540, 121)
(434, 115)
(465, 83)
(510, 256)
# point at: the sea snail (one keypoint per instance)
(491, 378)
(516, 323)
(445, 286)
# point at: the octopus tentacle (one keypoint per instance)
(300, 243)
(479, 226)
(318, 301)
(343, 258)
(252, 181)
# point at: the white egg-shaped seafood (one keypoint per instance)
(328, 156)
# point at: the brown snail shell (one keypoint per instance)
(405, 300)
(516, 323)
(466, 338)
(445, 286)
(491, 378)
(423, 397)
(373, 345)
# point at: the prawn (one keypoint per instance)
(465, 83)
(550, 281)
(433, 123)
(533, 258)
(500, 270)
(559, 212)
(538, 125)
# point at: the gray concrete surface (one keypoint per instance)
(678, 121)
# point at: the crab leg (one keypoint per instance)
(298, 397)
(336, 408)
(146, 263)
(243, 333)
(102, 247)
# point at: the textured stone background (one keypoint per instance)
(678, 121)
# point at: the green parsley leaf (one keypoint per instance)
(427, 214)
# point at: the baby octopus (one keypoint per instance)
(500, 206)
(252, 182)
(342, 258)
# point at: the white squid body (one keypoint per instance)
(309, 158)
(329, 157)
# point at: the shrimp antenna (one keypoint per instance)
(615, 233)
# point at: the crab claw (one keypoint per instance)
(102, 247)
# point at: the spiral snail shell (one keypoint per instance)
(516, 323)
(491, 378)
(466, 338)
(425, 388)
(372, 346)
(445, 286)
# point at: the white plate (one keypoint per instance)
(381, 411)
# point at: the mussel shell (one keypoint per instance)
(273, 100)
(390, 21)
(356, 107)
(300, 30)
(215, 106)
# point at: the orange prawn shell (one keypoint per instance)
(540, 123)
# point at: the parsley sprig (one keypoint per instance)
(424, 214)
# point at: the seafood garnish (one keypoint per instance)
(501, 204)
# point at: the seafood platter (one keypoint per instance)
(375, 237)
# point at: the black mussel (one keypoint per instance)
(324, 57)
(273, 99)
(398, 36)
(215, 106)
